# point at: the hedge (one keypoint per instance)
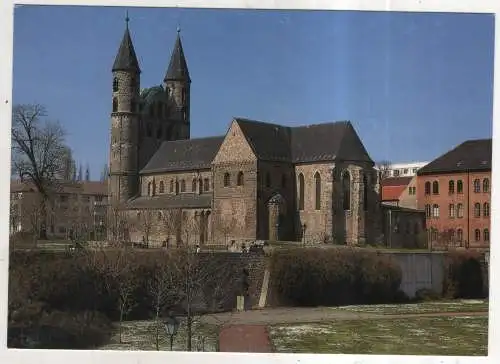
(315, 277)
(464, 276)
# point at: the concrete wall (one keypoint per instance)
(420, 270)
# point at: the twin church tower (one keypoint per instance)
(141, 119)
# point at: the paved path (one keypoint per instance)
(272, 316)
(245, 339)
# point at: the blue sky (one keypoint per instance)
(414, 85)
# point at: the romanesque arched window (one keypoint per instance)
(149, 189)
(477, 209)
(171, 186)
(183, 186)
(460, 235)
(486, 185)
(460, 186)
(486, 235)
(460, 210)
(206, 185)
(162, 187)
(193, 185)
(317, 193)
(477, 235)
(451, 187)
(115, 84)
(427, 188)
(435, 188)
(477, 186)
(301, 191)
(346, 191)
(365, 192)
(115, 104)
(154, 187)
(240, 179)
(486, 209)
(428, 211)
(176, 187)
(227, 179)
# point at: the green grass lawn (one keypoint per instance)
(422, 307)
(141, 335)
(466, 335)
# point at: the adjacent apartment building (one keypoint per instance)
(454, 190)
(75, 207)
(404, 169)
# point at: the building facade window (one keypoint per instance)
(477, 186)
(477, 210)
(451, 211)
(193, 185)
(317, 192)
(149, 189)
(435, 211)
(301, 191)
(486, 235)
(460, 186)
(176, 187)
(206, 185)
(115, 84)
(162, 187)
(451, 187)
(346, 189)
(486, 185)
(171, 186)
(460, 210)
(486, 209)
(183, 186)
(227, 179)
(435, 188)
(427, 211)
(460, 235)
(427, 188)
(477, 235)
(239, 180)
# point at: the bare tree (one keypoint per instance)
(38, 151)
(116, 267)
(202, 280)
(171, 223)
(116, 225)
(161, 288)
(383, 168)
(144, 222)
(225, 224)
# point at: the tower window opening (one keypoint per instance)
(115, 84)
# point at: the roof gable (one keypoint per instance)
(471, 155)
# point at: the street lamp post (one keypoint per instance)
(171, 327)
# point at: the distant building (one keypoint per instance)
(404, 169)
(454, 190)
(75, 206)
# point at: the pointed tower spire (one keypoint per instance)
(177, 68)
(126, 59)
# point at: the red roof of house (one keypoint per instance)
(393, 187)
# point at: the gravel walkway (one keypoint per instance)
(272, 316)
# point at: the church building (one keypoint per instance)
(258, 181)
